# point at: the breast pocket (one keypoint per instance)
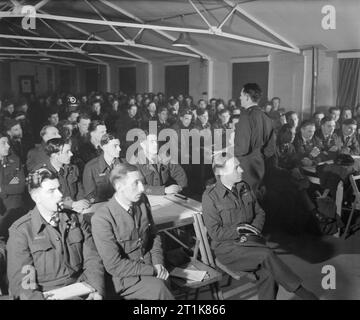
(228, 214)
(43, 254)
(75, 246)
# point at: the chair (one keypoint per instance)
(216, 263)
(212, 280)
(355, 205)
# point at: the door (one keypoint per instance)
(253, 72)
(91, 79)
(176, 80)
(127, 80)
(65, 80)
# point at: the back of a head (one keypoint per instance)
(37, 177)
(55, 145)
(254, 91)
(94, 124)
(220, 159)
(120, 172)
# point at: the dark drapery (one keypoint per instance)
(349, 82)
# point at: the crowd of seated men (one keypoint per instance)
(79, 142)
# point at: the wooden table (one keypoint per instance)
(171, 212)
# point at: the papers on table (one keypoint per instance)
(156, 201)
(77, 289)
(188, 274)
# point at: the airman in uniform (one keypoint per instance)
(58, 159)
(50, 248)
(230, 203)
(97, 171)
(12, 187)
(126, 239)
(160, 175)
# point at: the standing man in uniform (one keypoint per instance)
(51, 247)
(230, 203)
(254, 137)
(126, 239)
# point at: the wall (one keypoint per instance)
(327, 79)
(30, 69)
(5, 79)
(198, 71)
(286, 73)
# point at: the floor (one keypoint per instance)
(307, 256)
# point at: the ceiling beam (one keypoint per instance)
(39, 49)
(141, 46)
(200, 14)
(227, 17)
(161, 32)
(103, 18)
(212, 31)
(40, 61)
(105, 55)
(261, 24)
(70, 25)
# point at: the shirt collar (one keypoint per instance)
(39, 222)
(124, 206)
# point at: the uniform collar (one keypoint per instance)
(39, 222)
(222, 190)
(103, 164)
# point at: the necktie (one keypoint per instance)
(131, 211)
(61, 172)
(347, 139)
(234, 191)
(54, 221)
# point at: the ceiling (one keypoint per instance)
(295, 22)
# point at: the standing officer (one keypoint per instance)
(230, 203)
(126, 239)
(254, 136)
(97, 171)
(50, 248)
(59, 155)
(160, 175)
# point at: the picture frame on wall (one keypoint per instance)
(26, 84)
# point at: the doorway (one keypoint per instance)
(127, 80)
(176, 80)
(250, 72)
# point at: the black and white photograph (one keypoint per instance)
(197, 151)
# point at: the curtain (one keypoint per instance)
(349, 83)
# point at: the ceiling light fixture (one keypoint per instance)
(184, 40)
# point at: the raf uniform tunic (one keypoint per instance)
(60, 258)
(69, 180)
(12, 188)
(129, 248)
(223, 211)
(96, 179)
(158, 176)
(254, 144)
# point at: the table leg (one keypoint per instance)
(338, 202)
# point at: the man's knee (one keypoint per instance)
(160, 290)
